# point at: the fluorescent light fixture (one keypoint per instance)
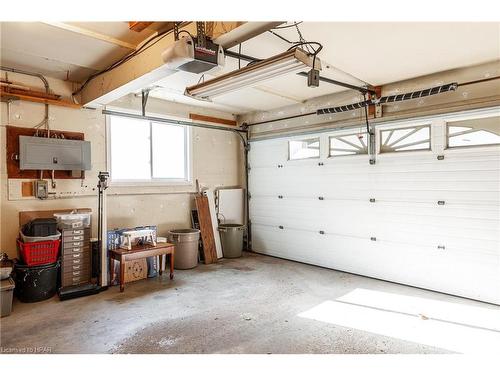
(293, 61)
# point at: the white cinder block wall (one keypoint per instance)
(216, 160)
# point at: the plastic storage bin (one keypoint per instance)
(25, 238)
(41, 227)
(232, 239)
(73, 221)
(37, 283)
(38, 253)
(186, 247)
(6, 291)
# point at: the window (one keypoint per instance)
(351, 144)
(474, 132)
(147, 151)
(406, 139)
(303, 149)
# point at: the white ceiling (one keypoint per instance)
(378, 53)
(64, 54)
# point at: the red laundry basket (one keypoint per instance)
(38, 253)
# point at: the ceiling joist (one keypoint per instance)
(91, 34)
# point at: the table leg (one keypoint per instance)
(122, 275)
(160, 264)
(171, 265)
(111, 270)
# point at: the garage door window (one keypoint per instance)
(406, 139)
(474, 132)
(145, 151)
(303, 149)
(351, 144)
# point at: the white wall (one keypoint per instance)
(217, 161)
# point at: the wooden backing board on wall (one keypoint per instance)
(12, 139)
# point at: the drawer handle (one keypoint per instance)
(78, 232)
(77, 267)
(76, 244)
(76, 255)
(76, 249)
(76, 279)
(77, 238)
(76, 261)
(76, 273)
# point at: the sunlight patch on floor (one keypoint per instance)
(456, 327)
(462, 312)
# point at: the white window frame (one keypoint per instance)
(307, 138)
(427, 124)
(338, 134)
(450, 121)
(187, 181)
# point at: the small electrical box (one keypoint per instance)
(41, 189)
(313, 78)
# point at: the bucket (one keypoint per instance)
(232, 239)
(36, 283)
(186, 247)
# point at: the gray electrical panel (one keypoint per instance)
(53, 154)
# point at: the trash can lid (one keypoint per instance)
(184, 231)
(7, 284)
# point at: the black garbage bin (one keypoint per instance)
(36, 283)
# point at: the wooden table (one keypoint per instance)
(140, 252)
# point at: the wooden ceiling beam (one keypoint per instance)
(147, 68)
(91, 34)
(138, 26)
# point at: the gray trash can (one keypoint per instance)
(186, 247)
(232, 239)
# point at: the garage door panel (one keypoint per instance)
(410, 218)
(387, 262)
(365, 219)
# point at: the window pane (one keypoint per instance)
(303, 149)
(169, 151)
(130, 149)
(407, 139)
(476, 132)
(351, 144)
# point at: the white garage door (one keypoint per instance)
(426, 214)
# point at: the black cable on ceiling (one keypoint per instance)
(295, 24)
(148, 44)
(282, 37)
(479, 81)
(301, 42)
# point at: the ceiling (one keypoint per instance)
(377, 53)
(70, 51)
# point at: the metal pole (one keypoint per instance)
(171, 121)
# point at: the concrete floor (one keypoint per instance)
(246, 305)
